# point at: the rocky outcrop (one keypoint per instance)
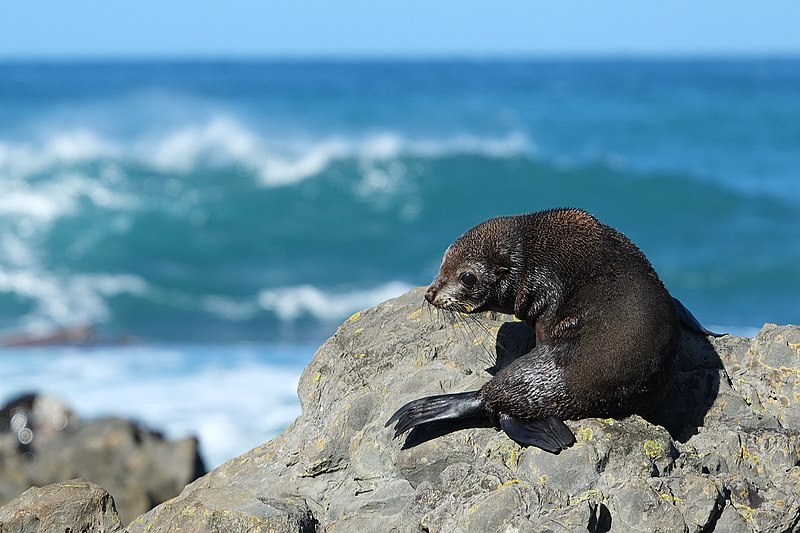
(70, 506)
(723, 456)
(42, 441)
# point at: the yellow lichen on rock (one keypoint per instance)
(653, 449)
(591, 494)
(670, 498)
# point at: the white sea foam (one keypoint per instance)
(315, 156)
(220, 140)
(66, 300)
(225, 140)
(42, 203)
(278, 162)
(19, 160)
(276, 170)
(232, 397)
(228, 308)
(289, 303)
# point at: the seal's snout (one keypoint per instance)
(430, 294)
(433, 290)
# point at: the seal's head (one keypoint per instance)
(476, 270)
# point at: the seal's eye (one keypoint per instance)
(468, 279)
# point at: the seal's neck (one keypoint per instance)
(537, 273)
(539, 293)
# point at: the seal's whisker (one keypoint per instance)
(471, 320)
(460, 322)
(467, 332)
(498, 343)
(426, 306)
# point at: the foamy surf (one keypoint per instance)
(65, 301)
(289, 303)
(224, 141)
(232, 397)
(68, 301)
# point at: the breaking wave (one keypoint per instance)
(224, 141)
(289, 303)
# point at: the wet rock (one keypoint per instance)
(42, 442)
(69, 506)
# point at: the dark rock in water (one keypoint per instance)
(69, 506)
(42, 441)
(77, 336)
(74, 336)
(727, 457)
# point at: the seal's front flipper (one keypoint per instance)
(550, 434)
(437, 428)
(687, 319)
(447, 406)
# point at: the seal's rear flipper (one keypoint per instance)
(550, 434)
(444, 407)
(687, 319)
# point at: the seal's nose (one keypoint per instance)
(437, 283)
(430, 294)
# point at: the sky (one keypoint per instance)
(442, 28)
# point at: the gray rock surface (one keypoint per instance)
(730, 460)
(42, 442)
(70, 506)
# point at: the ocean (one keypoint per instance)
(213, 222)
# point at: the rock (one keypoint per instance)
(71, 506)
(42, 441)
(725, 455)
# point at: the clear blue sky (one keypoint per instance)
(236, 28)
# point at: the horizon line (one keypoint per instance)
(402, 57)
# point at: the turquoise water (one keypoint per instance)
(223, 202)
(197, 206)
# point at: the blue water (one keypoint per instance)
(215, 203)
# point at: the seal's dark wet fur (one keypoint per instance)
(606, 328)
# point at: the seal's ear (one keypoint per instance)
(501, 271)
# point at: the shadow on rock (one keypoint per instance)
(514, 339)
(694, 390)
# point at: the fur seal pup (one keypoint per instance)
(607, 330)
